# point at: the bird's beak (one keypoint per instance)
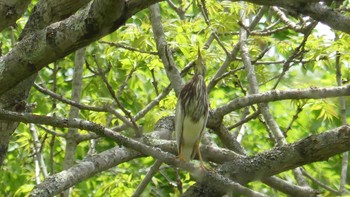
(200, 67)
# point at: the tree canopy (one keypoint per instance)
(88, 91)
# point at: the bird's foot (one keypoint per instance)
(206, 167)
(181, 158)
(203, 167)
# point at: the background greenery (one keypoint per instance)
(17, 177)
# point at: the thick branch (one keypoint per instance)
(61, 38)
(85, 169)
(45, 13)
(48, 12)
(327, 15)
(311, 149)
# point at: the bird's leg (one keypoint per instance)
(181, 156)
(200, 156)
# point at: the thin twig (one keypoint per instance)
(233, 53)
(56, 96)
(119, 45)
(154, 82)
(245, 120)
(261, 55)
(267, 32)
(295, 117)
(125, 82)
(38, 157)
(283, 61)
(179, 10)
(152, 171)
(56, 68)
(319, 182)
(298, 52)
(205, 14)
(101, 73)
(106, 108)
(51, 131)
(119, 116)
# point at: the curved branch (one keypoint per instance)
(276, 95)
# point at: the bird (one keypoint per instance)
(191, 114)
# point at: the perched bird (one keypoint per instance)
(191, 114)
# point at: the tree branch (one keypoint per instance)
(119, 45)
(163, 49)
(10, 11)
(68, 101)
(232, 55)
(61, 38)
(277, 95)
(314, 9)
(85, 169)
(308, 150)
(242, 168)
(289, 188)
(327, 15)
(71, 136)
(152, 171)
(219, 181)
(48, 12)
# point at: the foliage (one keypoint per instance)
(138, 77)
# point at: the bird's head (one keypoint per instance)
(200, 67)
